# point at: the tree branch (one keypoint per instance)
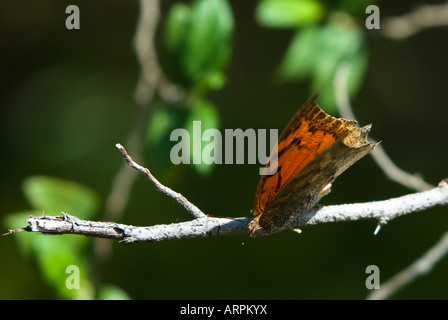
(421, 266)
(212, 226)
(423, 17)
(205, 226)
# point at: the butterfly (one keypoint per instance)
(312, 151)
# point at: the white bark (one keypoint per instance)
(205, 226)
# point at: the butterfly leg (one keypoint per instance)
(296, 230)
(325, 190)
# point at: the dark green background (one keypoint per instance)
(67, 98)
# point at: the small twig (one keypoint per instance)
(195, 211)
(412, 181)
(420, 267)
(11, 231)
(423, 17)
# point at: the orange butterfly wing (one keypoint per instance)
(309, 133)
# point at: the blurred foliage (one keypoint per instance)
(196, 49)
(56, 195)
(54, 254)
(167, 117)
(197, 44)
(111, 292)
(164, 118)
(48, 195)
(288, 13)
(207, 115)
(320, 44)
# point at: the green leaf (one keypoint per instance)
(24, 239)
(163, 120)
(302, 54)
(53, 255)
(175, 32)
(169, 117)
(111, 292)
(316, 52)
(207, 40)
(54, 195)
(177, 24)
(288, 13)
(214, 80)
(204, 112)
(341, 43)
(197, 41)
(356, 8)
